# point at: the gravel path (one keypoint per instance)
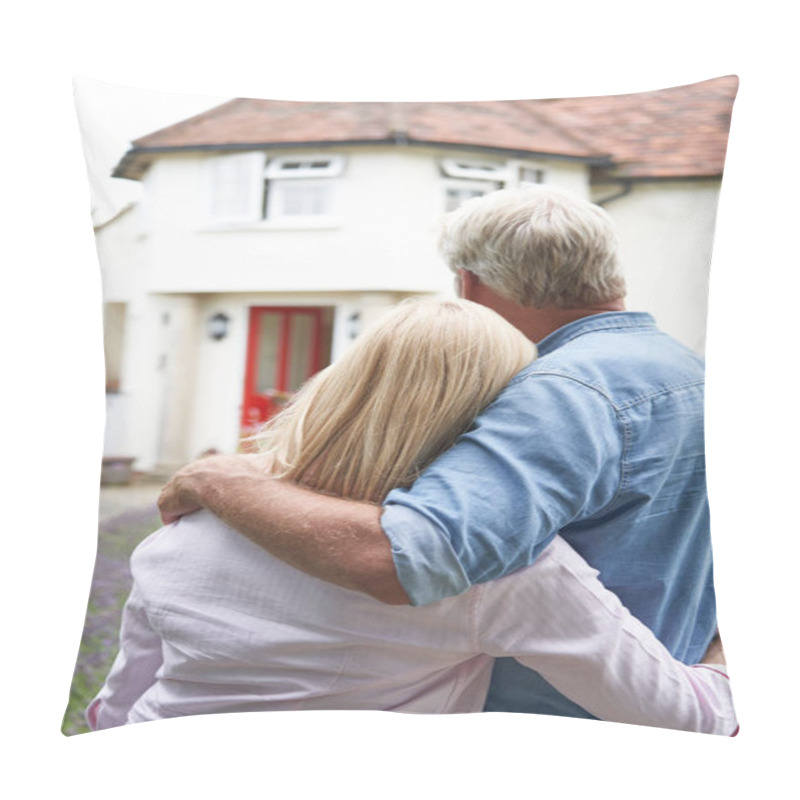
(136, 498)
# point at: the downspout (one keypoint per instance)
(398, 129)
(627, 188)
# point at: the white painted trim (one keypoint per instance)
(316, 166)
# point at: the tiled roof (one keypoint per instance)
(677, 132)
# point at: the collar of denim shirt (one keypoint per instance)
(596, 322)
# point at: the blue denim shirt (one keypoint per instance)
(600, 439)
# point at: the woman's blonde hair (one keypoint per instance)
(400, 396)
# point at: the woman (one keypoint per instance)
(216, 624)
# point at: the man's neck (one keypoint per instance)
(538, 323)
(535, 323)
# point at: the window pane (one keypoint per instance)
(305, 200)
(531, 175)
(455, 197)
(113, 341)
(468, 165)
(310, 167)
(475, 170)
(268, 339)
(300, 357)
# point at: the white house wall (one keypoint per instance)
(179, 363)
(145, 379)
(120, 244)
(181, 391)
(383, 238)
(666, 235)
(120, 249)
(218, 389)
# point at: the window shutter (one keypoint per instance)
(237, 187)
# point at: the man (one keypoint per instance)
(600, 439)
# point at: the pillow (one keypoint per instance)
(244, 244)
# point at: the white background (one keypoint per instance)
(53, 399)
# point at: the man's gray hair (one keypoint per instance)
(537, 246)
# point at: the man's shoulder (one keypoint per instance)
(619, 364)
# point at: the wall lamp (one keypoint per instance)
(217, 326)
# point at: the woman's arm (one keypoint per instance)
(134, 669)
(558, 619)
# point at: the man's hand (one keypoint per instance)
(191, 488)
(336, 540)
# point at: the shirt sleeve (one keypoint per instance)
(547, 452)
(558, 619)
(133, 671)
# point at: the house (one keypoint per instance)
(271, 232)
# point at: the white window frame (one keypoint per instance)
(484, 187)
(314, 170)
(278, 199)
(472, 175)
(248, 176)
(475, 169)
(279, 167)
(532, 167)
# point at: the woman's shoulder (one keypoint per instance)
(192, 533)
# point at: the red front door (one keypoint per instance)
(286, 346)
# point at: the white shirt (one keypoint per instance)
(216, 624)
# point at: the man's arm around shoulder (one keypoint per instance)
(339, 541)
